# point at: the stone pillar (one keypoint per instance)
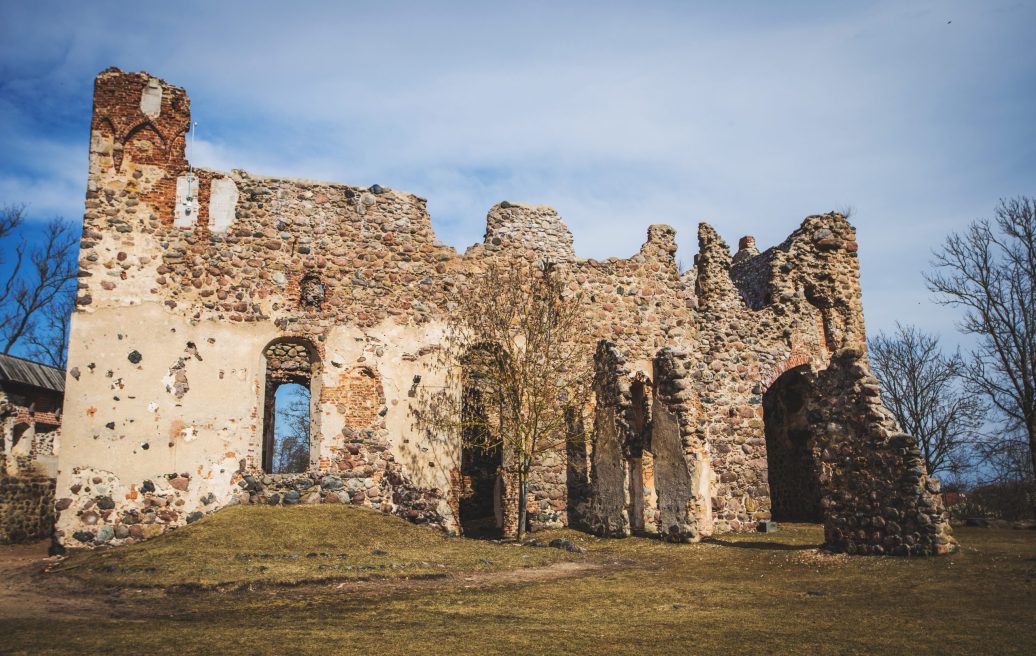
(682, 469)
(507, 496)
(607, 510)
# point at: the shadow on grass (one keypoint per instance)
(767, 546)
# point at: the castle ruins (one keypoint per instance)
(735, 393)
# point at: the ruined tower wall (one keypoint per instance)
(877, 497)
(760, 315)
(184, 283)
(797, 307)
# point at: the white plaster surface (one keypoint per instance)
(186, 210)
(218, 421)
(222, 202)
(151, 99)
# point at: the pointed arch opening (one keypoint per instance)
(792, 462)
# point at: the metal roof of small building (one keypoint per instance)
(26, 372)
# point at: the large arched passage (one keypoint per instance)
(792, 466)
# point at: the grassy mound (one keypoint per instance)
(269, 544)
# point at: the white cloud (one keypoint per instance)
(618, 114)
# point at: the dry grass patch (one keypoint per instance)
(755, 593)
(287, 545)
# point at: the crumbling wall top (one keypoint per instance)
(535, 227)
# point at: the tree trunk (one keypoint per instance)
(1030, 428)
(523, 477)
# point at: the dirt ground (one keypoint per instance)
(27, 592)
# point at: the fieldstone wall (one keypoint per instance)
(188, 276)
(534, 228)
(778, 316)
(877, 497)
(26, 508)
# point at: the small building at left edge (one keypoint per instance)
(31, 396)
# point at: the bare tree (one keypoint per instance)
(924, 390)
(292, 430)
(37, 284)
(516, 333)
(990, 272)
(11, 216)
(48, 341)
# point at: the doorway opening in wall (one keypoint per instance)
(577, 469)
(792, 467)
(638, 442)
(481, 495)
(20, 449)
(21, 443)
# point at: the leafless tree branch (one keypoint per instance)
(35, 293)
(514, 344)
(990, 272)
(924, 390)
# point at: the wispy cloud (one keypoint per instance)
(618, 114)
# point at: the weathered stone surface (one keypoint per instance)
(26, 508)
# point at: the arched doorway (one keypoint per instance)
(792, 464)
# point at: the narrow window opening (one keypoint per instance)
(292, 382)
(290, 449)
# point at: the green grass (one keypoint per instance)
(773, 593)
(244, 545)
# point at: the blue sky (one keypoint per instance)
(748, 115)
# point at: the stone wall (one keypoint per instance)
(877, 499)
(189, 277)
(30, 431)
(26, 508)
(197, 272)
